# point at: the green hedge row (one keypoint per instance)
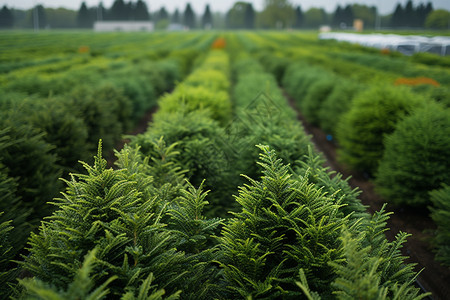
(192, 117)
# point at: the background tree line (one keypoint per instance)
(276, 14)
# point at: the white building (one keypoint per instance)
(123, 26)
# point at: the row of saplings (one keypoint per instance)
(144, 231)
(398, 136)
(44, 135)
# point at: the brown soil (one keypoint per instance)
(434, 278)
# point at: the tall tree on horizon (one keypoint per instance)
(277, 14)
(118, 11)
(235, 17)
(6, 17)
(39, 17)
(348, 16)
(189, 17)
(409, 15)
(337, 17)
(176, 17)
(299, 17)
(141, 11)
(207, 18)
(162, 14)
(249, 17)
(84, 18)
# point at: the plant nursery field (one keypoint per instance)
(221, 165)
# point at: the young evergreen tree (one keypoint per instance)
(440, 213)
(12, 210)
(292, 238)
(124, 215)
(7, 271)
(83, 287)
(285, 224)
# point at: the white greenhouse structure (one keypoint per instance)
(406, 44)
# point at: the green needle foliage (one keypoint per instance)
(186, 217)
(7, 271)
(361, 277)
(82, 286)
(440, 213)
(139, 228)
(116, 212)
(312, 167)
(337, 103)
(416, 157)
(374, 113)
(285, 224)
(197, 138)
(317, 92)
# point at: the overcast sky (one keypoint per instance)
(385, 6)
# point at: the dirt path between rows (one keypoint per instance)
(434, 278)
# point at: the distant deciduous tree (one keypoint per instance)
(277, 14)
(235, 18)
(438, 19)
(365, 13)
(63, 18)
(315, 17)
